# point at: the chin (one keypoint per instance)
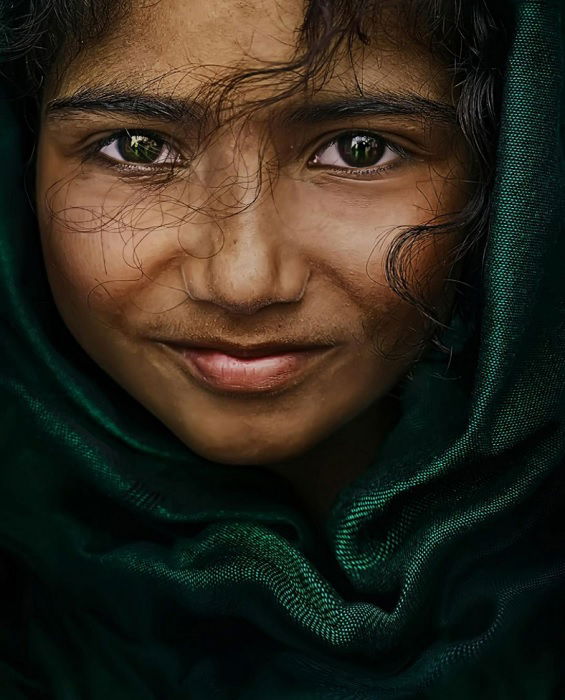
(253, 453)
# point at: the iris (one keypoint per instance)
(139, 148)
(360, 150)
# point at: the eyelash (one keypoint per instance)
(93, 152)
(387, 145)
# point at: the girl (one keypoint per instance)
(282, 350)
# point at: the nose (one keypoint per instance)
(255, 266)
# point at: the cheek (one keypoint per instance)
(105, 242)
(364, 232)
(101, 241)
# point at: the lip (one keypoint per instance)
(250, 374)
(256, 350)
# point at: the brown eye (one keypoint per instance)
(137, 148)
(360, 150)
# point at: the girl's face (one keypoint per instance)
(275, 232)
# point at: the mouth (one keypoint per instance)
(257, 370)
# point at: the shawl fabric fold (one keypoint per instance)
(133, 568)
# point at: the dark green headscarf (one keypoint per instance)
(134, 569)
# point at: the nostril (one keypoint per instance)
(248, 300)
(246, 307)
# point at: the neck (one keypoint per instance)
(318, 475)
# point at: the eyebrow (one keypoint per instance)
(101, 101)
(393, 104)
(166, 108)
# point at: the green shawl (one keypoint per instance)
(134, 569)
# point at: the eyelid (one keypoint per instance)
(94, 150)
(403, 153)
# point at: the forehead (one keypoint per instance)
(181, 45)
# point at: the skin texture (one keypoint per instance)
(133, 258)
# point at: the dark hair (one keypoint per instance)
(469, 36)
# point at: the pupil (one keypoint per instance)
(139, 148)
(360, 150)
